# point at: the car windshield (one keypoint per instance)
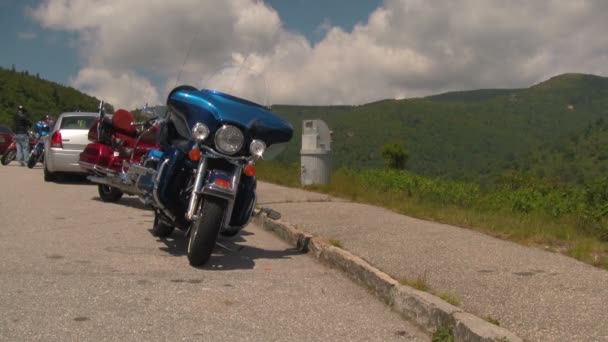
(77, 122)
(4, 129)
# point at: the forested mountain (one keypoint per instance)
(580, 158)
(556, 129)
(39, 96)
(469, 135)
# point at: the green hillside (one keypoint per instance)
(580, 158)
(460, 135)
(39, 96)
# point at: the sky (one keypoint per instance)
(311, 52)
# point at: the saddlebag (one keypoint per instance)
(97, 157)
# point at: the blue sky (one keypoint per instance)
(128, 52)
(53, 55)
(29, 47)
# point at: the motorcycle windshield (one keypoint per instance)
(231, 96)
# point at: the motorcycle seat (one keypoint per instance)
(121, 121)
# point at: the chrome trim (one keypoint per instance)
(155, 191)
(109, 181)
(200, 174)
(96, 168)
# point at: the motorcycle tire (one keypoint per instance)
(8, 156)
(32, 160)
(161, 229)
(204, 230)
(108, 193)
(229, 232)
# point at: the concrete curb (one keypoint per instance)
(422, 308)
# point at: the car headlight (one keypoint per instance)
(257, 148)
(229, 139)
(200, 132)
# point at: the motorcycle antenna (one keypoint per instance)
(179, 74)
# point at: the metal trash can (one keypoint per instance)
(315, 153)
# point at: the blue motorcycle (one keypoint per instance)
(42, 130)
(204, 172)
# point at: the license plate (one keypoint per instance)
(2, 140)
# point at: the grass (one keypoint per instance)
(559, 234)
(336, 243)
(450, 298)
(443, 334)
(419, 283)
(492, 320)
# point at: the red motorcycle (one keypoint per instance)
(117, 157)
(11, 151)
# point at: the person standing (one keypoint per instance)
(22, 143)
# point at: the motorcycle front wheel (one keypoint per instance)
(204, 230)
(8, 156)
(32, 160)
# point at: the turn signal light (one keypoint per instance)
(249, 170)
(222, 182)
(194, 154)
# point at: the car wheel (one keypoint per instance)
(108, 193)
(48, 175)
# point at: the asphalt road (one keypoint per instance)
(73, 268)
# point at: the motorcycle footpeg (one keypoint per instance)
(271, 214)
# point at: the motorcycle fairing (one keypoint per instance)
(215, 108)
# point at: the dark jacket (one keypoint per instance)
(22, 123)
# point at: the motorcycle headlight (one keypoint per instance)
(229, 139)
(200, 132)
(257, 148)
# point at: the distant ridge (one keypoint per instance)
(40, 96)
(470, 135)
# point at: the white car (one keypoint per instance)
(68, 138)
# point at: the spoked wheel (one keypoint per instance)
(160, 228)
(204, 231)
(108, 193)
(8, 156)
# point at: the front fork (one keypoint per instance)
(37, 148)
(196, 190)
(211, 189)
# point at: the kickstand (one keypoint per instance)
(225, 247)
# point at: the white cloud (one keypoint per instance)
(121, 89)
(405, 48)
